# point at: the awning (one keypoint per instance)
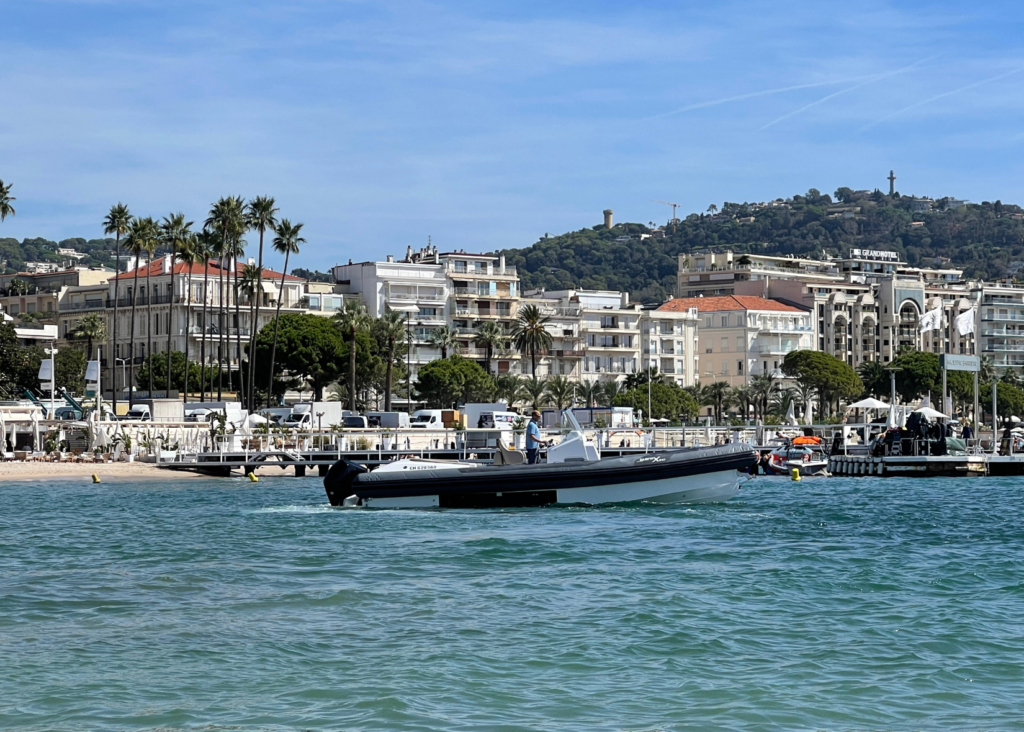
(270, 287)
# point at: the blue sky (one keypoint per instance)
(485, 125)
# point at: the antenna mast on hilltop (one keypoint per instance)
(674, 206)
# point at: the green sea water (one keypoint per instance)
(830, 604)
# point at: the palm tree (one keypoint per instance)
(189, 253)
(176, 234)
(536, 389)
(590, 391)
(206, 242)
(529, 334)
(391, 327)
(611, 390)
(742, 396)
(489, 336)
(227, 220)
(286, 242)
(508, 388)
(260, 215)
(351, 319)
(252, 277)
(117, 223)
(762, 387)
(90, 328)
(712, 208)
(151, 243)
(137, 241)
(445, 338)
(987, 370)
(6, 209)
(559, 392)
(718, 393)
(875, 378)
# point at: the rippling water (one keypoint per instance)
(829, 604)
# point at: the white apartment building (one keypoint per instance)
(999, 324)
(440, 288)
(670, 344)
(743, 336)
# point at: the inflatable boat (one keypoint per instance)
(686, 475)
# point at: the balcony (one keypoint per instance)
(87, 305)
(1012, 316)
(776, 350)
(779, 328)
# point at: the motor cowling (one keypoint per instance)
(338, 481)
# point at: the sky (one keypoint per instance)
(487, 125)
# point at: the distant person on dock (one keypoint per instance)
(967, 432)
(533, 438)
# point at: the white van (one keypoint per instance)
(430, 419)
(388, 420)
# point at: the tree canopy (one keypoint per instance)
(831, 378)
(448, 382)
(309, 347)
(668, 401)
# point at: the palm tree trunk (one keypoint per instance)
(222, 318)
(131, 335)
(387, 375)
(241, 393)
(254, 320)
(188, 323)
(170, 321)
(89, 348)
(206, 326)
(533, 361)
(277, 318)
(112, 353)
(352, 370)
(149, 325)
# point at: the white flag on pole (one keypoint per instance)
(965, 322)
(932, 320)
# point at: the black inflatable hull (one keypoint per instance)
(690, 475)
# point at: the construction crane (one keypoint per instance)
(674, 206)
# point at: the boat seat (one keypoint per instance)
(508, 456)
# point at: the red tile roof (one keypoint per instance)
(156, 268)
(727, 302)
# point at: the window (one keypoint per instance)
(739, 368)
(609, 321)
(741, 343)
(314, 302)
(725, 321)
(427, 312)
(725, 344)
(30, 308)
(479, 267)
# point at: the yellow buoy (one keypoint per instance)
(95, 478)
(796, 474)
(253, 478)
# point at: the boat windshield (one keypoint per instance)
(569, 421)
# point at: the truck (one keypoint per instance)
(471, 413)
(157, 410)
(304, 415)
(388, 420)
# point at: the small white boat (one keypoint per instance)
(805, 454)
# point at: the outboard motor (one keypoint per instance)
(338, 481)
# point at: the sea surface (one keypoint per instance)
(829, 604)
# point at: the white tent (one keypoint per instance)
(869, 403)
(255, 419)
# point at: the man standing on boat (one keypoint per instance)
(533, 438)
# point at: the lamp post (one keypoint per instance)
(408, 310)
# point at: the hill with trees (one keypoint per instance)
(986, 240)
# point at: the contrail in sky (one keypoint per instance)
(751, 95)
(938, 96)
(870, 80)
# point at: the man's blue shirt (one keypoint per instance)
(532, 436)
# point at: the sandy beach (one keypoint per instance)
(134, 471)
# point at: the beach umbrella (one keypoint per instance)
(890, 424)
(36, 444)
(791, 415)
(869, 403)
(904, 411)
(13, 436)
(808, 413)
(707, 430)
(931, 413)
